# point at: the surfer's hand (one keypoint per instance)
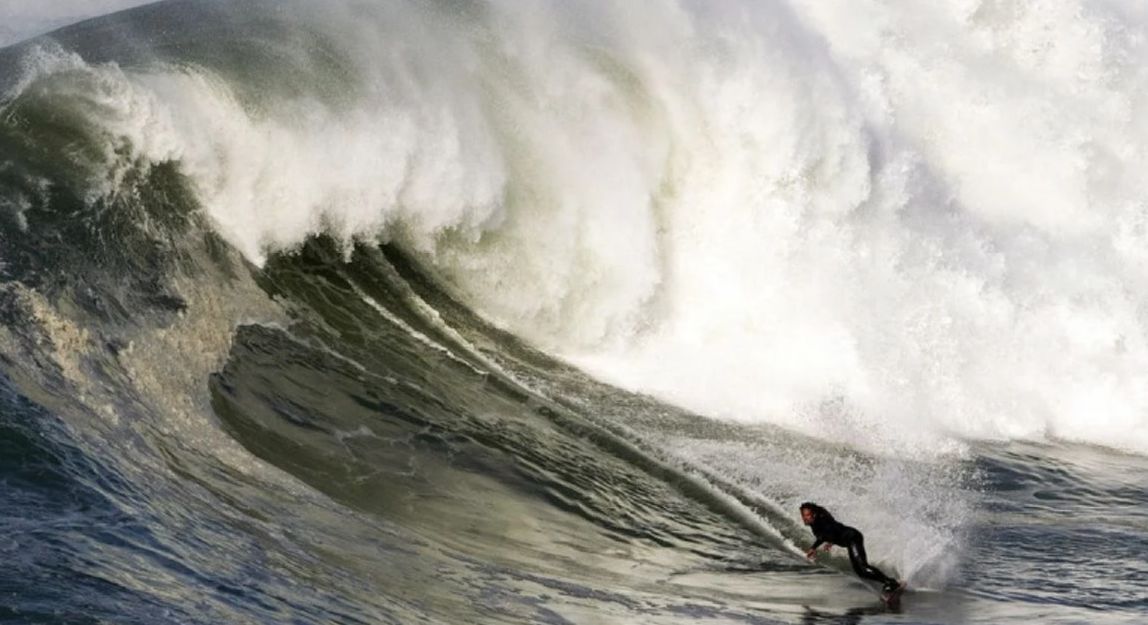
(827, 546)
(809, 554)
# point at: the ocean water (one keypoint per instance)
(541, 311)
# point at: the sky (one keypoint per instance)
(21, 19)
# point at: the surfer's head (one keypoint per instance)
(810, 512)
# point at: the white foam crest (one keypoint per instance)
(270, 183)
(880, 222)
(876, 223)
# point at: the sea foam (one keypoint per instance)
(894, 225)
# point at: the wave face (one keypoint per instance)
(554, 311)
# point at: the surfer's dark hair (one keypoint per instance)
(818, 511)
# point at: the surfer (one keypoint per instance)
(831, 532)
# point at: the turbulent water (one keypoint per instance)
(542, 311)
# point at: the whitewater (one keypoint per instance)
(540, 311)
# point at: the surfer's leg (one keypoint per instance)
(861, 564)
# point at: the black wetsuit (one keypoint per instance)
(828, 530)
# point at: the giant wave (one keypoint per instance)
(353, 254)
(936, 251)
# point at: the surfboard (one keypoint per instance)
(893, 597)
